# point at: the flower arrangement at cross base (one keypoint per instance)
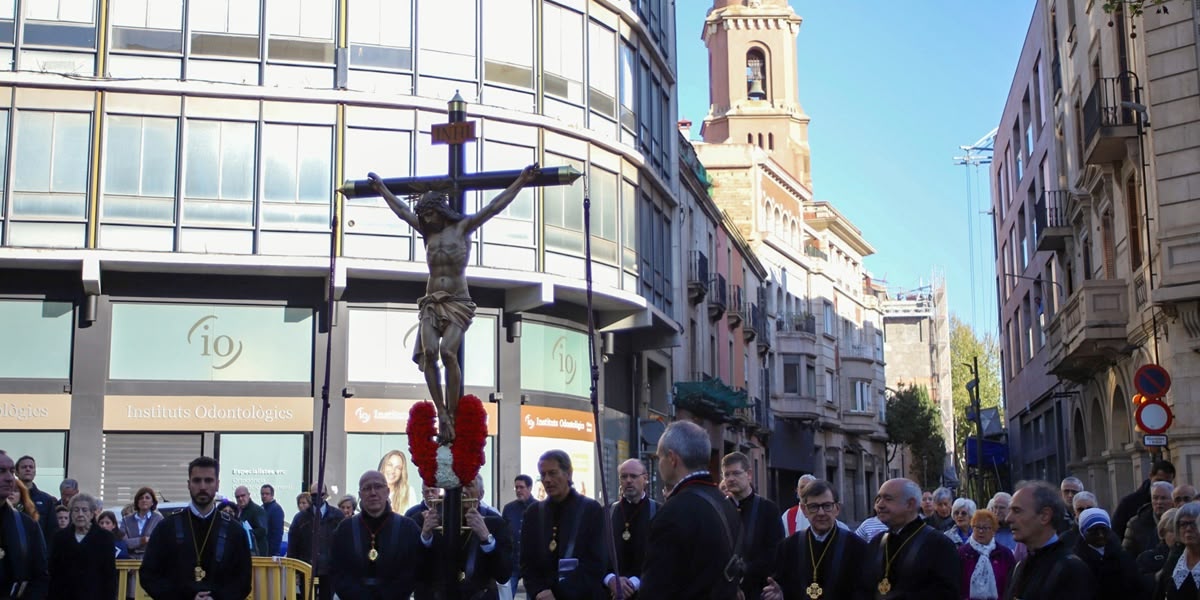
(450, 465)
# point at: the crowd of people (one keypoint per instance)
(713, 536)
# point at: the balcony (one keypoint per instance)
(758, 323)
(737, 308)
(1106, 124)
(697, 277)
(718, 300)
(796, 323)
(815, 252)
(860, 422)
(1050, 226)
(1089, 333)
(796, 406)
(860, 352)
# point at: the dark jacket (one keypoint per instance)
(581, 520)
(1141, 533)
(1128, 507)
(939, 523)
(838, 567)
(924, 563)
(300, 540)
(761, 533)
(1115, 572)
(1002, 567)
(1150, 562)
(482, 571)
(275, 518)
(167, 570)
(392, 574)
(82, 570)
(692, 544)
(257, 518)
(514, 514)
(45, 504)
(129, 529)
(25, 561)
(1052, 572)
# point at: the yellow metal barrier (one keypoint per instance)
(274, 578)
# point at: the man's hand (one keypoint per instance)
(772, 591)
(528, 174)
(476, 523)
(626, 587)
(544, 595)
(432, 519)
(145, 540)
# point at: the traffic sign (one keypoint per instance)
(1152, 381)
(1154, 417)
(1151, 441)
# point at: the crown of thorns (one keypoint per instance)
(437, 201)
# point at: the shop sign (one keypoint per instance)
(207, 413)
(389, 415)
(572, 431)
(35, 411)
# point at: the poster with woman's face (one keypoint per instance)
(388, 453)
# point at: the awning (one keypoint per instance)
(711, 398)
(994, 453)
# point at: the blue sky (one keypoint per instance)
(893, 89)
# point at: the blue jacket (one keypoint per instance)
(275, 519)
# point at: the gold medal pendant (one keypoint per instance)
(627, 536)
(199, 573)
(553, 545)
(814, 590)
(885, 586)
(373, 555)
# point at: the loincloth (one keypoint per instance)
(442, 309)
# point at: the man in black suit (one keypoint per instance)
(1052, 571)
(823, 560)
(630, 517)
(376, 554)
(562, 538)
(694, 534)
(761, 528)
(485, 559)
(911, 561)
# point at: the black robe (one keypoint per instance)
(691, 544)
(81, 570)
(392, 574)
(168, 568)
(482, 572)
(839, 572)
(1051, 572)
(24, 565)
(761, 533)
(1115, 571)
(631, 553)
(924, 564)
(580, 529)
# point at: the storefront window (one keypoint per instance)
(382, 343)
(572, 431)
(388, 453)
(40, 339)
(252, 459)
(554, 360)
(48, 448)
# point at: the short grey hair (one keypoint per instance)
(1084, 497)
(1191, 509)
(1161, 485)
(909, 490)
(68, 484)
(940, 495)
(689, 441)
(1047, 496)
(1167, 521)
(966, 503)
(1074, 481)
(999, 496)
(88, 499)
(806, 478)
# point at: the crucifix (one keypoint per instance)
(446, 309)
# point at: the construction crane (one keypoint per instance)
(979, 153)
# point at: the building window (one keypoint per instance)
(139, 170)
(224, 27)
(387, 153)
(1134, 217)
(810, 381)
(381, 33)
(450, 56)
(508, 43)
(830, 386)
(50, 171)
(563, 211)
(74, 11)
(562, 53)
(297, 176)
(628, 92)
(756, 79)
(602, 70)
(147, 25)
(862, 395)
(829, 320)
(219, 174)
(791, 373)
(605, 201)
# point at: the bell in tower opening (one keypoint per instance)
(755, 82)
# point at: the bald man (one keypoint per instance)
(256, 516)
(630, 518)
(377, 553)
(911, 560)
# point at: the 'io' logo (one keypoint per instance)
(222, 346)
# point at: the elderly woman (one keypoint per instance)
(1150, 562)
(348, 505)
(986, 565)
(940, 520)
(1181, 578)
(963, 511)
(137, 527)
(82, 558)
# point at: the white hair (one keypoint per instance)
(999, 496)
(966, 503)
(1084, 497)
(1073, 480)
(940, 494)
(1159, 486)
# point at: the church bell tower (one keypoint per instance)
(753, 84)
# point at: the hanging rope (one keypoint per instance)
(323, 435)
(595, 374)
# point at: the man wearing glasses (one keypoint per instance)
(822, 560)
(630, 518)
(376, 553)
(761, 528)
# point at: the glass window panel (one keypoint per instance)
(627, 91)
(219, 160)
(77, 11)
(499, 156)
(224, 16)
(33, 146)
(602, 73)
(562, 52)
(297, 163)
(8, 9)
(52, 152)
(508, 42)
(155, 14)
(301, 18)
(279, 163)
(140, 160)
(45, 330)
(381, 22)
(448, 38)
